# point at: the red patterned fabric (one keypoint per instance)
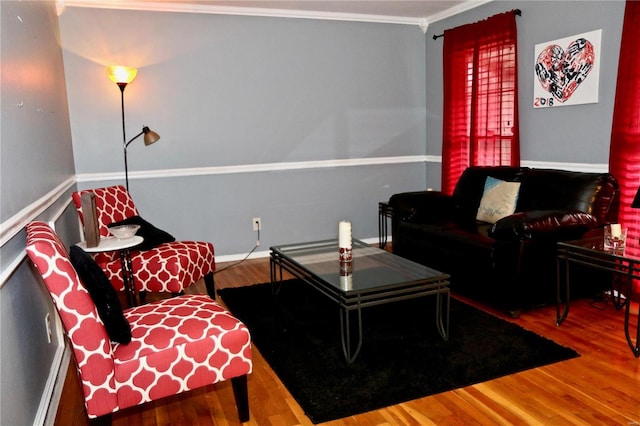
(480, 105)
(624, 151)
(170, 267)
(177, 344)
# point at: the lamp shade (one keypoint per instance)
(121, 75)
(150, 136)
(636, 200)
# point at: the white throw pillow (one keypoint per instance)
(498, 200)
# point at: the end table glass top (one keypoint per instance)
(372, 267)
(595, 244)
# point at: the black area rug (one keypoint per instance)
(403, 357)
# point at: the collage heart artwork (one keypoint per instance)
(561, 72)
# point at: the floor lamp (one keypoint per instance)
(122, 76)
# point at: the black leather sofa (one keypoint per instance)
(511, 263)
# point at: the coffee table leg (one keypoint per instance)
(345, 334)
(275, 272)
(442, 318)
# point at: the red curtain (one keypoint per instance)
(480, 111)
(624, 155)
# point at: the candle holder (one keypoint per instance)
(346, 266)
(615, 237)
(345, 255)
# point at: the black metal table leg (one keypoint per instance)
(127, 277)
(561, 317)
(443, 323)
(345, 333)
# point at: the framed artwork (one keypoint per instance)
(567, 71)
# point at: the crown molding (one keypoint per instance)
(152, 6)
(455, 10)
(242, 11)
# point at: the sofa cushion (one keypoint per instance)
(498, 200)
(550, 189)
(555, 224)
(470, 187)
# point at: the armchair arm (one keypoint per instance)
(546, 224)
(421, 206)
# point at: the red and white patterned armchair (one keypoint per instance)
(169, 267)
(177, 344)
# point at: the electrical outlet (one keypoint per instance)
(257, 224)
(47, 322)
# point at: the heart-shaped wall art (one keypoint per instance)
(561, 72)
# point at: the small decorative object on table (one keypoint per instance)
(344, 246)
(123, 232)
(90, 222)
(615, 237)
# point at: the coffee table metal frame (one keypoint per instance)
(348, 300)
(591, 253)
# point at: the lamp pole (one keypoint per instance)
(122, 76)
(122, 86)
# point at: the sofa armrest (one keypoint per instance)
(548, 224)
(421, 206)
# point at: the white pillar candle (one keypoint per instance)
(616, 230)
(344, 234)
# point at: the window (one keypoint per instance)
(480, 114)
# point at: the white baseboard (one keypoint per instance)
(50, 400)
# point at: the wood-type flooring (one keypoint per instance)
(602, 386)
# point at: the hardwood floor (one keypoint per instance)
(602, 386)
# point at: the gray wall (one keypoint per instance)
(239, 93)
(36, 176)
(574, 137)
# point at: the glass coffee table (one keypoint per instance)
(377, 277)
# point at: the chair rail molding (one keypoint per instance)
(307, 165)
(10, 227)
(256, 168)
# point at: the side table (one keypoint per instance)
(385, 211)
(123, 246)
(590, 252)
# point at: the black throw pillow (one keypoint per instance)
(153, 236)
(103, 294)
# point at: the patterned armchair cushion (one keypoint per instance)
(103, 295)
(113, 204)
(166, 268)
(179, 344)
(153, 236)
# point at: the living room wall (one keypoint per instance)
(571, 137)
(37, 175)
(300, 122)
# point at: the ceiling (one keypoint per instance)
(418, 12)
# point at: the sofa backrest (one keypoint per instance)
(470, 187)
(551, 189)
